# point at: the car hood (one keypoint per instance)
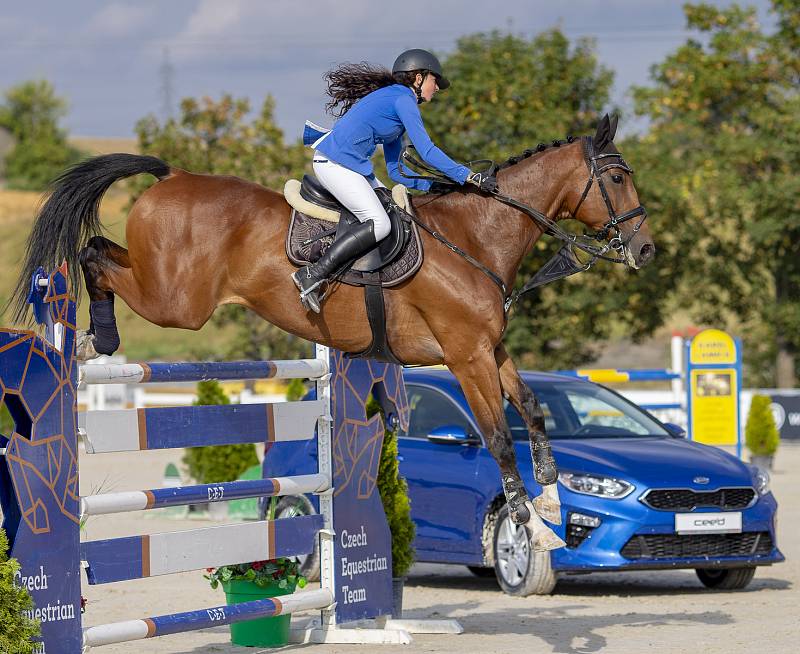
(654, 462)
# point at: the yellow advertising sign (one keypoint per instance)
(714, 406)
(712, 346)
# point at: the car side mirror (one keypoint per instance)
(451, 435)
(675, 430)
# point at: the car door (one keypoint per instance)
(441, 477)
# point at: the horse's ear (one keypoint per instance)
(603, 135)
(613, 127)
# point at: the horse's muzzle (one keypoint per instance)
(645, 254)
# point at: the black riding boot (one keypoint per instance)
(350, 246)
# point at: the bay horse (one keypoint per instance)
(196, 242)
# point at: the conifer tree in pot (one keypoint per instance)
(761, 434)
(394, 495)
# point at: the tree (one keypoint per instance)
(723, 155)
(31, 113)
(215, 137)
(508, 94)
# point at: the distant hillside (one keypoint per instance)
(96, 145)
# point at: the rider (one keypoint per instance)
(377, 107)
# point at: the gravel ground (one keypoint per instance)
(667, 611)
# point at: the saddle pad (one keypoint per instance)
(303, 228)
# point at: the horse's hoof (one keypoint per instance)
(84, 346)
(543, 539)
(547, 541)
(547, 505)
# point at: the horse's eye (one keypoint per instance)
(617, 179)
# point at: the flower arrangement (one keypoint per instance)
(281, 572)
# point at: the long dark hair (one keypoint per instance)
(348, 83)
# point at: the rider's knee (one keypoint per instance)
(382, 227)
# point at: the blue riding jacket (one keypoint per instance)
(382, 117)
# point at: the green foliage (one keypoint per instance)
(394, 495)
(718, 171)
(216, 137)
(217, 463)
(17, 631)
(760, 433)
(509, 93)
(296, 390)
(31, 113)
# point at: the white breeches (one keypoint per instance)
(354, 191)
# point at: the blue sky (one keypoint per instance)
(106, 57)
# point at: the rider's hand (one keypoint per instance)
(486, 182)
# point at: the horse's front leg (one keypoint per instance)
(547, 505)
(481, 385)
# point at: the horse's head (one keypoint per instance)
(608, 202)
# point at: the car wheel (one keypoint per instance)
(520, 571)
(726, 578)
(289, 507)
(480, 571)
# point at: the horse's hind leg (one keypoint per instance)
(102, 336)
(481, 385)
(547, 505)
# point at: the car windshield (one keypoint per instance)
(581, 410)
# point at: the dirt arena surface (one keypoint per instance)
(662, 611)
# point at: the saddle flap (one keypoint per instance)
(312, 191)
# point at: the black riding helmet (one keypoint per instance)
(417, 59)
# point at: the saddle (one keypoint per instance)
(318, 219)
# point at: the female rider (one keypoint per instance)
(377, 107)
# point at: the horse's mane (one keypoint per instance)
(515, 159)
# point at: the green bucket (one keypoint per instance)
(262, 632)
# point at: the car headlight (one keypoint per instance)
(597, 485)
(760, 480)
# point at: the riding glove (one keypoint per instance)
(486, 182)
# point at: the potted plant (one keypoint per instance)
(394, 495)
(246, 582)
(761, 434)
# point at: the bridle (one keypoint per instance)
(565, 262)
(596, 171)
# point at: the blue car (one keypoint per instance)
(635, 493)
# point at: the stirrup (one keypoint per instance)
(308, 296)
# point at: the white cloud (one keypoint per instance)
(119, 19)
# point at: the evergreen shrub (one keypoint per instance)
(394, 495)
(16, 629)
(761, 435)
(217, 463)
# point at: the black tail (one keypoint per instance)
(71, 216)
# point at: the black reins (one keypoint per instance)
(565, 262)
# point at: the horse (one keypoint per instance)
(196, 242)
